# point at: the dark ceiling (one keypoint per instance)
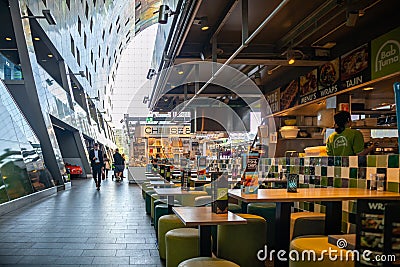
(7, 47)
(304, 26)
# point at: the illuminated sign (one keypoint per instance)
(163, 131)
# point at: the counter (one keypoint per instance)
(340, 172)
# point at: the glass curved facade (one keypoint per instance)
(22, 168)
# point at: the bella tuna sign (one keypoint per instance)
(386, 54)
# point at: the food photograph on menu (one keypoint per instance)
(289, 95)
(396, 229)
(396, 244)
(372, 221)
(308, 83)
(354, 67)
(328, 74)
(371, 240)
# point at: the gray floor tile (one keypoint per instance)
(81, 227)
(134, 252)
(99, 252)
(111, 260)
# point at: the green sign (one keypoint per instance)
(149, 119)
(386, 54)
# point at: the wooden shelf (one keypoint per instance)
(382, 127)
(373, 112)
(304, 126)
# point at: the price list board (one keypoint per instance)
(370, 235)
(391, 240)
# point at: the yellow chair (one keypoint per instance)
(187, 200)
(306, 223)
(240, 243)
(165, 224)
(207, 262)
(319, 245)
(181, 244)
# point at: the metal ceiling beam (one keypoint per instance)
(214, 95)
(243, 46)
(257, 61)
(222, 20)
(308, 22)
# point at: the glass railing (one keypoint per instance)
(8, 70)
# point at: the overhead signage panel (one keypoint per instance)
(385, 56)
(163, 131)
(354, 67)
(289, 95)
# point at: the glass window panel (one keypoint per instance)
(13, 170)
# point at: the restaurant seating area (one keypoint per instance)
(273, 218)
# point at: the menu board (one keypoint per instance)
(354, 67)
(250, 182)
(370, 230)
(391, 243)
(308, 87)
(328, 78)
(273, 98)
(289, 95)
(385, 54)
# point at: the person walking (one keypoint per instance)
(107, 164)
(119, 165)
(123, 163)
(97, 163)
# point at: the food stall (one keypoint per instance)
(170, 142)
(360, 81)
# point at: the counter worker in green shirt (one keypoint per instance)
(345, 141)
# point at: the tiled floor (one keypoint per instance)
(81, 227)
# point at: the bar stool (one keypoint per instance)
(165, 224)
(306, 223)
(187, 200)
(161, 209)
(202, 201)
(181, 244)
(318, 244)
(240, 243)
(207, 262)
(268, 212)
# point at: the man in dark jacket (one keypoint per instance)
(96, 161)
(118, 164)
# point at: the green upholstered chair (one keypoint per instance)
(317, 244)
(165, 224)
(159, 210)
(153, 198)
(306, 223)
(235, 208)
(149, 192)
(207, 262)
(240, 243)
(268, 212)
(181, 244)
(145, 186)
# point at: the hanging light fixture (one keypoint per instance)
(202, 22)
(290, 56)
